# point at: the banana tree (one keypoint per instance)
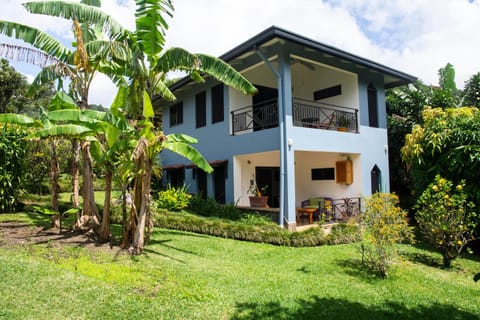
(111, 142)
(150, 62)
(91, 54)
(45, 128)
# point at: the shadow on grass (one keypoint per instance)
(150, 251)
(163, 243)
(422, 258)
(179, 233)
(356, 268)
(331, 308)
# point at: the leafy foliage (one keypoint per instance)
(12, 167)
(404, 108)
(384, 225)
(445, 217)
(174, 199)
(11, 83)
(447, 144)
(472, 91)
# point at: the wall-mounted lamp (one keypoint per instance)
(290, 142)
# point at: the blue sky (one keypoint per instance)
(417, 37)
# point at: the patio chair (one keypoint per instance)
(327, 123)
(314, 203)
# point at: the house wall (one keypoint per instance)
(364, 79)
(244, 171)
(307, 188)
(306, 81)
(215, 140)
(366, 148)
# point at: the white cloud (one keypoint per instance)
(417, 37)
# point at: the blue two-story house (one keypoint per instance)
(316, 128)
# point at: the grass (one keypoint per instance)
(188, 276)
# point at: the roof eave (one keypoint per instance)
(275, 32)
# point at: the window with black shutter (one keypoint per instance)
(201, 109)
(217, 103)
(372, 107)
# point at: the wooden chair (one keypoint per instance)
(327, 123)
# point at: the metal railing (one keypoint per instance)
(308, 114)
(318, 115)
(256, 117)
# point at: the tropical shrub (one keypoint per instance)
(384, 225)
(12, 167)
(173, 198)
(348, 232)
(243, 229)
(446, 144)
(210, 208)
(445, 218)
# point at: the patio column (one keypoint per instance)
(288, 196)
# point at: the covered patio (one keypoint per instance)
(331, 177)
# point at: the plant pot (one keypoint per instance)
(258, 202)
(343, 129)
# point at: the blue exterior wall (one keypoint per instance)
(370, 145)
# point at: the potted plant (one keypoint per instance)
(257, 198)
(343, 123)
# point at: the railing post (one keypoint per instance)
(356, 120)
(233, 122)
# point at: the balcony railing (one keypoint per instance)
(309, 114)
(318, 115)
(257, 117)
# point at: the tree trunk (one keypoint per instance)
(104, 234)
(54, 175)
(447, 261)
(75, 173)
(139, 238)
(136, 206)
(124, 243)
(141, 199)
(90, 218)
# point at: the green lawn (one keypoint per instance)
(189, 276)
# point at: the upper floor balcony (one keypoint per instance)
(309, 114)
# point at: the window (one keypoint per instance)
(376, 179)
(176, 177)
(372, 107)
(217, 103)
(176, 114)
(327, 92)
(201, 109)
(323, 174)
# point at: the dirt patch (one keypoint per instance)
(19, 234)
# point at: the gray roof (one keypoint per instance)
(392, 77)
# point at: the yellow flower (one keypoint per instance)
(459, 242)
(459, 187)
(435, 188)
(446, 196)
(440, 242)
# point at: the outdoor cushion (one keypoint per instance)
(315, 203)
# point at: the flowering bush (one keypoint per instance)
(384, 225)
(174, 198)
(445, 217)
